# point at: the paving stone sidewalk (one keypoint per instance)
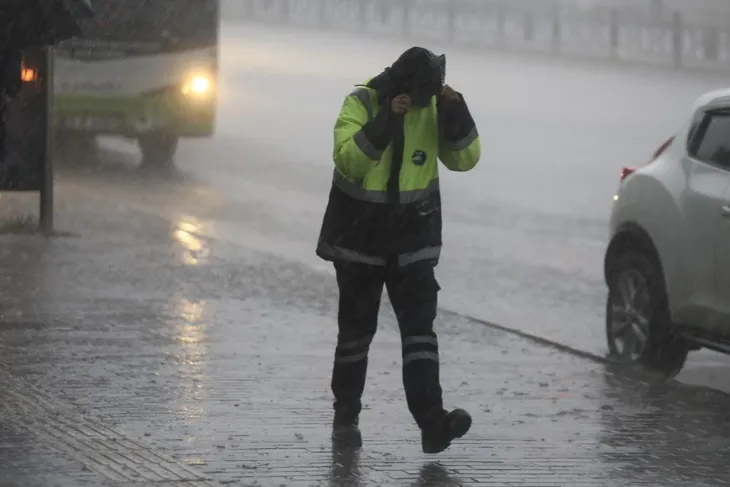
(136, 352)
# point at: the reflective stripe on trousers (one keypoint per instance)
(340, 253)
(421, 347)
(357, 348)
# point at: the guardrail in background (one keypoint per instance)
(575, 27)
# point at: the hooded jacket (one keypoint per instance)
(385, 205)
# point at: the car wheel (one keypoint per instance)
(158, 150)
(638, 326)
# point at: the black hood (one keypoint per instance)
(418, 72)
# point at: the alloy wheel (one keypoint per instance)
(630, 315)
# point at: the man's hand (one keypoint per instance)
(448, 94)
(400, 104)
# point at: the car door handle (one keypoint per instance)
(725, 211)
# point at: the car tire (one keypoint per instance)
(646, 318)
(158, 150)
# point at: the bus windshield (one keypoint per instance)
(158, 21)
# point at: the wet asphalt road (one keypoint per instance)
(527, 226)
(136, 352)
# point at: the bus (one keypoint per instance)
(145, 70)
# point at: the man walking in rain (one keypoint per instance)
(382, 227)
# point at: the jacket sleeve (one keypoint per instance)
(459, 145)
(359, 140)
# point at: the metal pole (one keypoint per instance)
(46, 196)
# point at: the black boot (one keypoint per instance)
(438, 436)
(345, 433)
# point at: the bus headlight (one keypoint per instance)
(198, 86)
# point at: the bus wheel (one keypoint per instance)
(158, 150)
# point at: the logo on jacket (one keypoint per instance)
(419, 157)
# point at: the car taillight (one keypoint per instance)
(626, 171)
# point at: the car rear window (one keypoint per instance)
(714, 145)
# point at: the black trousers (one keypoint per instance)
(413, 293)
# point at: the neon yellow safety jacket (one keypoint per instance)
(385, 205)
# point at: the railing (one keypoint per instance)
(593, 29)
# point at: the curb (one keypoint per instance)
(537, 339)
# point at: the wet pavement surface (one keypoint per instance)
(137, 352)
